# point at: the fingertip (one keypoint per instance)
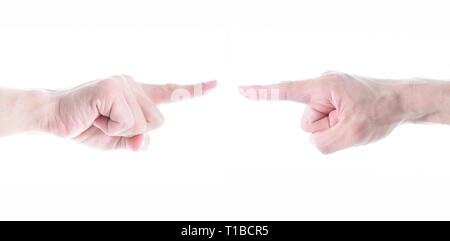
(210, 84)
(244, 89)
(248, 92)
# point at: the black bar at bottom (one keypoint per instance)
(223, 230)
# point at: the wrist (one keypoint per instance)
(43, 107)
(25, 110)
(423, 100)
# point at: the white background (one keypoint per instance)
(223, 156)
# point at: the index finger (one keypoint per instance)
(168, 93)
(298, 91)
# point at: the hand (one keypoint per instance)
(343, 110)
(116, 112)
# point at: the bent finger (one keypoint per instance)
(314, 120)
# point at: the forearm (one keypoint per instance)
(24, 110)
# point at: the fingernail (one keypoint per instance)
(210, 86)
(213, 82)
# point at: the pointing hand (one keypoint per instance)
(342, 110)
(116, 112)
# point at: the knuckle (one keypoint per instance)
(140, 127)
(109, 84)
(333, 78)
(333, 74)
(305, 124)
(109, 81)
(159, 122)
(114, 81)
(127, 77)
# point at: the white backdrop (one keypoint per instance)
(223, 156)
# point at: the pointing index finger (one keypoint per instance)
(168, 93)
(298, 91)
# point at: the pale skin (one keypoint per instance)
(114, 113)
(346, 110)
(342, 110)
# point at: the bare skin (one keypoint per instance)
(346, 110)
(113, 113)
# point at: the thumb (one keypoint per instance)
(298, 91)
(172, 92)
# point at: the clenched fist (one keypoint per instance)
(112, 113)
(346, 110)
